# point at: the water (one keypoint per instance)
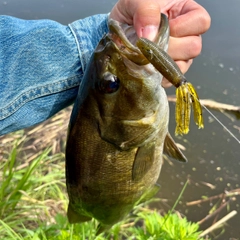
(213, 154)
(63, 11)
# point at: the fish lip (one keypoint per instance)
(120, 33)
(119, 30)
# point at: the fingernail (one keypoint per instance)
(150, 32)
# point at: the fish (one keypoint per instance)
(118, 129)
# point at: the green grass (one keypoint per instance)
(33, 203)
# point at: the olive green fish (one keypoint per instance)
(118, 129)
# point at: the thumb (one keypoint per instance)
(147, 18)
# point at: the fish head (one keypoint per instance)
(124, 90)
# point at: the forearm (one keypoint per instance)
(41, 65)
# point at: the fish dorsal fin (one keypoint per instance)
(143, 161)
(171, 149)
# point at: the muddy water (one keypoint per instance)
(214, 156)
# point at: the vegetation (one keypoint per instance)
(33, 198)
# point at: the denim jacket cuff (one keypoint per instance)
(87, 36)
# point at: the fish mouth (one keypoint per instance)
(125, 37)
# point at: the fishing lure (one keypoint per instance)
(185, 92)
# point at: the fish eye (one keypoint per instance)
(109, 83)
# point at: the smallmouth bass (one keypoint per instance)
(118, 129)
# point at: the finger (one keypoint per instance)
(120, 14)
(143, 14)
(183, 25)
(146, 18)
(184, 65)
(194, 22)
(166, 83)
(186, 18)
(190, 47)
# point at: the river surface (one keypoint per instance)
(214, 156)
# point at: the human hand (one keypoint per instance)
(187, 20)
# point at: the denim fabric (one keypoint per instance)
(41, 66)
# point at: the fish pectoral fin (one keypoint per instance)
(143, 161)
(150, 193)
(74, 217)
(172, 150)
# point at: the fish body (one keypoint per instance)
(118, 130)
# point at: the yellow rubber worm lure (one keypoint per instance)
(185, 92)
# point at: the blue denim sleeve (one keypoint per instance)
(41, 66)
